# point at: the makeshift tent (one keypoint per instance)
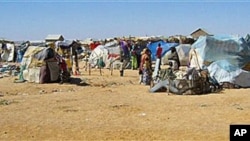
(21, 50)
(93, 45)
(108, 53)
(208, 49)
(165, 48)
(113, 48)
(224, 57)
(99, 52)
(224, 72)
(39, 65)
(68, 50)
(183, 53)
(8, 50)
(247, 38)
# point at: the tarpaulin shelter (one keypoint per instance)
(7, 52)
(97, 53)
(247, 38)
(39, 65)
(224, 72)
(21, 50)
(108, 53)
(68, 50)
(165, 48)
(224, 57)
(208, 49)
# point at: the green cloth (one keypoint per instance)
(100, 62)
(22, 68)
(134, 62)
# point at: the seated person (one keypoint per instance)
(174, 58)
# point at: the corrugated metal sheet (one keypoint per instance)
(53, 37)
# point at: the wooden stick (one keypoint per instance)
(86, 65)
(111, 67)
(100, 68)
(89, 65)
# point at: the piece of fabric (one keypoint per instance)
(146, 76)
(44, 74)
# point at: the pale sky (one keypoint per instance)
(79, 19)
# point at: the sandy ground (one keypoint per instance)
(105, 107)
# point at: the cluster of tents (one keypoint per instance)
(226, 58)
(224, 61)
(44, 63)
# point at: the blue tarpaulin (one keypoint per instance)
(165, 48)
(231, 48)
(224, 57)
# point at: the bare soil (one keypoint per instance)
(105, 107)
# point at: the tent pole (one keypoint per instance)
(86, 65)
(89, 66)
(111, 67)
(100, 68)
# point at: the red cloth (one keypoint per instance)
(113, 55)
(63, 65)
(93, 45)
(158, 52)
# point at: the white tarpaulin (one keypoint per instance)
(8, 53)
(97, 53)
(223, 71)
(108, 52)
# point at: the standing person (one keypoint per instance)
(133, 57)
(124, 56)
(158, 54)
(138, 50)
(145, 67)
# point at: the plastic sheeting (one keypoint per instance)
(183, 53)
(165, 48)
(224, 57)
(223, 71)
(8, 53)
(64, 44)
(213, 48)
(97, 53)
(107, 52)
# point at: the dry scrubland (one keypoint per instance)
(106, 107)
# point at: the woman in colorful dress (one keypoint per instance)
(146, 67)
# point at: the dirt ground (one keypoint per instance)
(105, 107)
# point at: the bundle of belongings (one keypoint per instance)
(43, 65)
(8, 70)
(215, 62)
(184, 83)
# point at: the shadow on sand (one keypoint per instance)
(77, 81)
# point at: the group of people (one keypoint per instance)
(143, 62)
(145, 70)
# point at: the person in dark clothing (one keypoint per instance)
(175, 57)
(124, 56)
